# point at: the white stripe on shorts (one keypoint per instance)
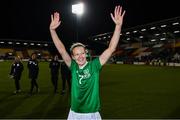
(83, 116)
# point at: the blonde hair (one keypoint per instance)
(76, 45)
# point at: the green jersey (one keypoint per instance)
(85, 87)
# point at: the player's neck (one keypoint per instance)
(81, 67)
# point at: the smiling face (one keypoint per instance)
(79, 55)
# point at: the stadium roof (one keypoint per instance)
(15, 43)
(161, 31)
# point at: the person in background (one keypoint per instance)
(33, 68)
(54, 67)
(66, 77)
(16, 72)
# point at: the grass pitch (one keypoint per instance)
(127, 92)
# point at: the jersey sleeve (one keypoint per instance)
(73, 63)
(97, 63)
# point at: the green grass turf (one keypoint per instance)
(127, 91)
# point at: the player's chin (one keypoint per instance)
(81, 63)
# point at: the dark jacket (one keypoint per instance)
(65, 70)
(16, 70)
(54, 66)
(33, 69)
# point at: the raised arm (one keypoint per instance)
(118, 20)
(55, 22)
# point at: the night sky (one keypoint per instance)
(30, 19)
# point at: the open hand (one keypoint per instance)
(55, 21)
(118, 15)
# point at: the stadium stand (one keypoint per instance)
(6, 53)
(24, 48)
(154, 42)
(20, 54)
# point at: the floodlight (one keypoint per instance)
(78, 9)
